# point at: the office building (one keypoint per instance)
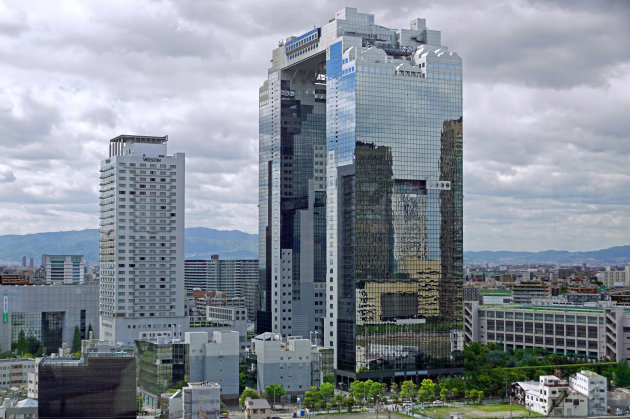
(141, 239)
(202, 400)
(64, 269)
(237, 278)
(95, 386)
(162, 365)
(215, 359)
(589, 332)
(363, 123)
(47, 314)
(594, 387)
(285, 362)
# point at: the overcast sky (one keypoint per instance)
(546, 108)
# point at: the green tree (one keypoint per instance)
(90, 333)
(471, 394)
(312, 397)
(393, 387)
(138, 403)
(327, 391)
(21, 346)
(339, 401)
(622, 374)
(242, 379)
(480, 396)
(357, 389)
(375, 391)
(274, 392)
(329, 378)
(349, 402)
(427, 390)
(76, 340)
(248, 392)
(407, 389)
(444, 394)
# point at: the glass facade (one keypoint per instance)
(97, 386)
(161, 366)
(292, 201)
(391, 264)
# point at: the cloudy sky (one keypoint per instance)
(546, 108)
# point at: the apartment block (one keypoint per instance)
(14, 372)
(237, 278)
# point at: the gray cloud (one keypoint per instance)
(546, 95)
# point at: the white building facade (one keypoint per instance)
(64, 269)
(287, 363)
(202, 400)
(594, 387)
(555, 398)
(141, 240)
(580, 331)
(215, 359)
(610, 277)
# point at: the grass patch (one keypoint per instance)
(478, 411)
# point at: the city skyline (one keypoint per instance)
(546, 91)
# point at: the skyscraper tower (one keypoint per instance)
(141, 240)
(387, 106)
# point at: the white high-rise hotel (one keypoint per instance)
(141, 240)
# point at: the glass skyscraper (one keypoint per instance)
(384, 215)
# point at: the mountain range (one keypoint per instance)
(618, 255)
(200, 244)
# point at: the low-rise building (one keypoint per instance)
(47, 314)
(16, 408)
(554, 397)
(162, 365)
(202, 400)
(525, 291)
(171, 405)
(14, 372)
(594, 387)
(496, 296)
(287, 363)
(97, 385)
(257, 408)
(590, 332)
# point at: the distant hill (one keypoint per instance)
(233, 244)
(200, 243)
(618, 255)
